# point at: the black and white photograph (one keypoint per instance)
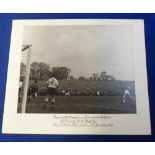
(77, 76)
(79, 69)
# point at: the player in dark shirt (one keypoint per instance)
(33, 90)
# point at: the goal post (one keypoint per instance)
(27, 75)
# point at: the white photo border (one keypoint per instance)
(124, 124)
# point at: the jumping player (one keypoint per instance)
(52, 86)
(126, 95)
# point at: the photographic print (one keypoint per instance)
(77, 76)
(77, 69)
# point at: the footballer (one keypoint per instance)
(52, 86)
(127, 94)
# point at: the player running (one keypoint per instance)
(52, 86)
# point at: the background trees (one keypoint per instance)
(95, 76)
(39, 70)
(103, 75)
(42, 71)
(61, 73)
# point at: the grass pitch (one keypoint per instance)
(83, 105)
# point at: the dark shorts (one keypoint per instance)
(51, 91)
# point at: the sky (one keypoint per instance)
(84, 49)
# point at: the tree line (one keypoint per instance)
(42, 71)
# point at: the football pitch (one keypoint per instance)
(83, 105)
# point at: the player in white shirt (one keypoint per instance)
(125, 95)
(20, 84)
(52, 86)
(20, 90)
